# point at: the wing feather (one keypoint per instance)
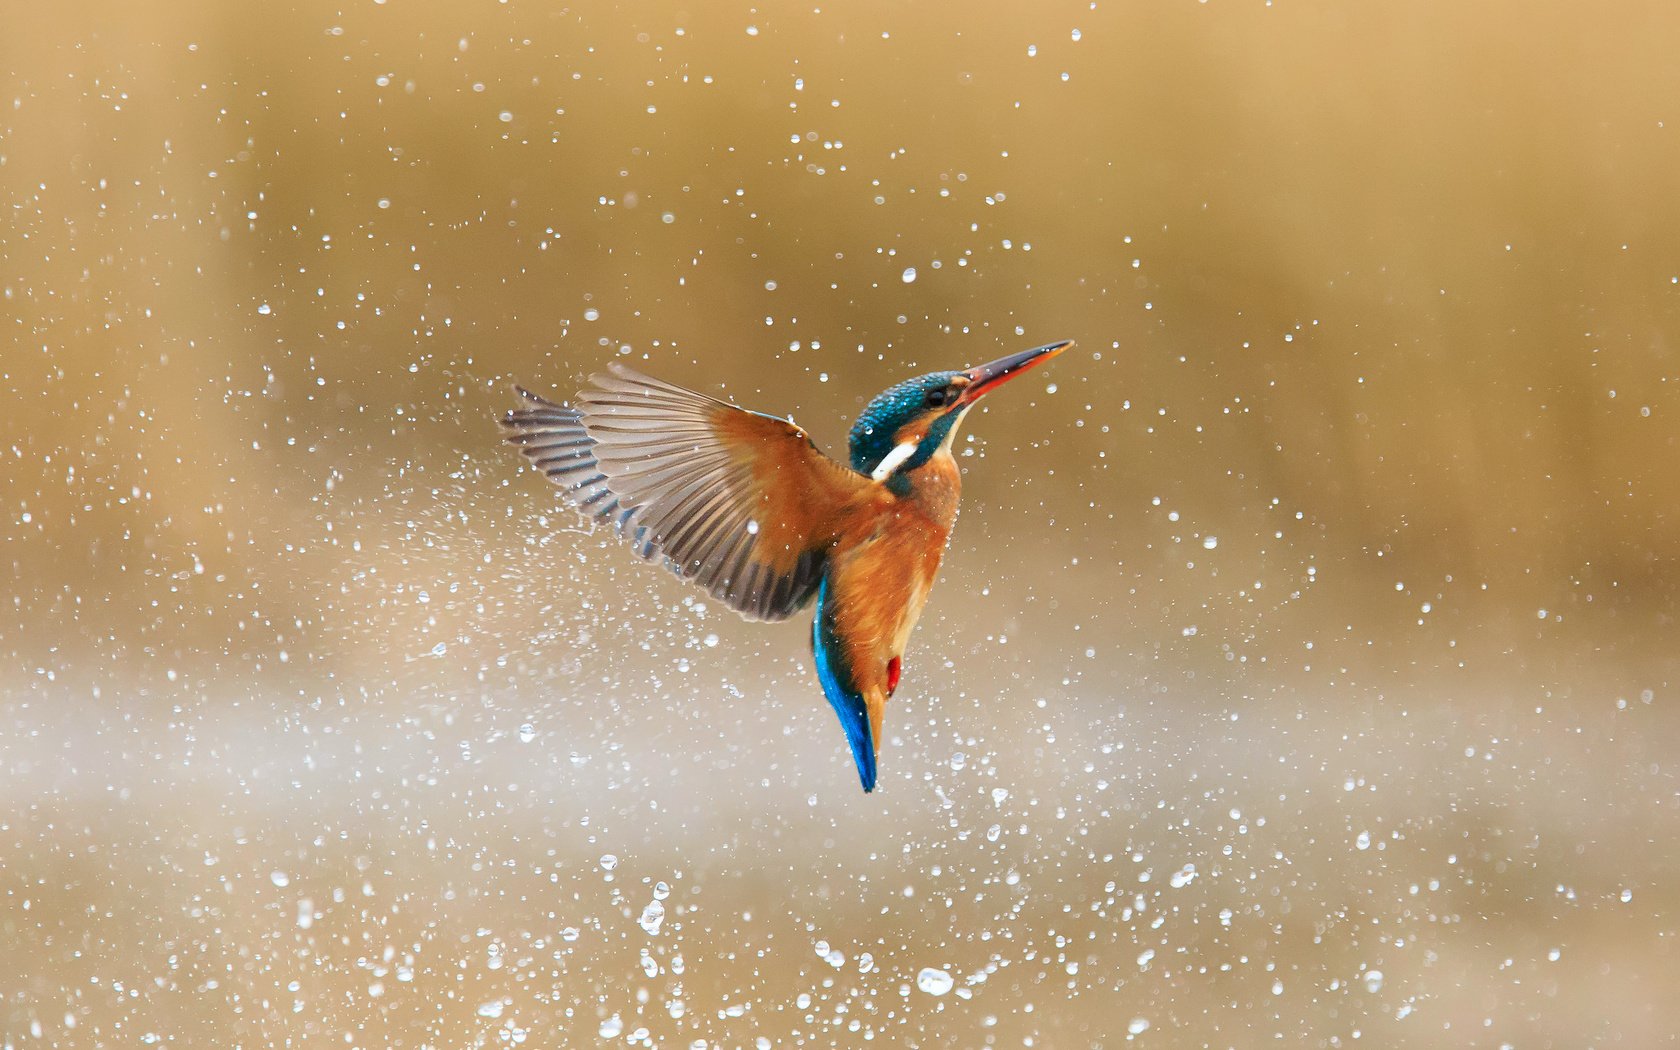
(739, 502)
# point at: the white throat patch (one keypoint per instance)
(956, 424)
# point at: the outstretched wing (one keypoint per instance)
(739, 502)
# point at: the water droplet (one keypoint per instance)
(611, 1027)
(909, 275)
(264, 310)
(491, 1009)
(652, 916)
(1138, 1026)
(998, 795)
(1363, 841)
(934, 982)
(661, 890)
(608, 861)
(527, 733)
(1210, 542)
(280, 878)
(1183, 877)
(1373, 980)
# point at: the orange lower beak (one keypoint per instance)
(984, 377)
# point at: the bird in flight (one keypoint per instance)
(745, 505)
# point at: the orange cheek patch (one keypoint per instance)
(911, 433)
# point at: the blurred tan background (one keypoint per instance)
(1302, 672)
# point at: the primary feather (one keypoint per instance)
(739, 502)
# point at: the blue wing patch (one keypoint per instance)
(842, 695)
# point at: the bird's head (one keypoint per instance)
(908, 424)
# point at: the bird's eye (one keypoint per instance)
(936, 398)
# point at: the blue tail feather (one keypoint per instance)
(843, 696)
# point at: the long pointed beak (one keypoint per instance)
(985, 377)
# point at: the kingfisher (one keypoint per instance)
(745, 505)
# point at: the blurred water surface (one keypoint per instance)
(1302, 672)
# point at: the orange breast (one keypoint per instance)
(882, 570)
